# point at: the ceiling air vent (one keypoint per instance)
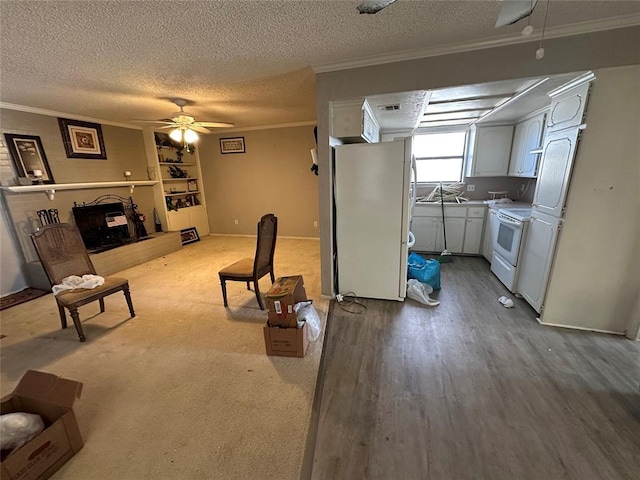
(390, 108)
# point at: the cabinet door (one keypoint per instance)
(473, 235)
(568, 109)
(369, 125)
(517, 149)
(555, 171)
(537, 257)
(532, 139)
(178, 220)
(455, 235)
(492, 151)
(425, 229)
(487, 244)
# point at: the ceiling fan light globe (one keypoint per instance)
(190, 136)
(176, 135)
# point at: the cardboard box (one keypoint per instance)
(286, 342)
(281, 299)
(52, 398)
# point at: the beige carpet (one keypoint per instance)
(184, 390)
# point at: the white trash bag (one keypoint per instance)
(419, 292)
(18, 428)
(306, 312)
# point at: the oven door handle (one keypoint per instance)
(508, 221)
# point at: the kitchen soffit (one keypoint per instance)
(464, 105)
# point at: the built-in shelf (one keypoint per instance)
(50, 188)
(177, 163)
(180, 194)
(165, 180)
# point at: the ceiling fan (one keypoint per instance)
(184, 124)
(510, 12)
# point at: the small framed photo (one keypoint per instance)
(28, 156)
(192, 185)
(82, 139)
(189, 235)
(232, 145)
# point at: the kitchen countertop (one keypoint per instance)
(475, 203)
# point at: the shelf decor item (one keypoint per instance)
(82, 139)
(28, 156)
(192, 185)
(189, 235)
(232, 145)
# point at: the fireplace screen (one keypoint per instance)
(102, 226)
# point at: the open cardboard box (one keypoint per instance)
(52, 398)
(282, 337)
(281, 299)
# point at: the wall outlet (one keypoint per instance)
(315, 223)
(235, 221)
(471, 188)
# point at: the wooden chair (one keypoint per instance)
(253, 269)
(62, 253)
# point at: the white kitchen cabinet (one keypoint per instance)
(353, 121)
(463, 224)
(425, 230)
(489, 150)
(569, 104)
(558, 154)
(473, 235)
(487, 244)
(537, 258)
(527, 136)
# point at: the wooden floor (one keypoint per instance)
(472, 390)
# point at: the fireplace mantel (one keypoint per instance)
(50, 188)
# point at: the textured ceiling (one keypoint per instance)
(247, 62)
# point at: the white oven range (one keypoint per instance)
(509, 232)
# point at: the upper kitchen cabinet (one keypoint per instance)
(527, 138)
(489, 149)
(569, 104)
(353, 122)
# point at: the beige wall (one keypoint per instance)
(563, 55)
(596, 276)
(273, 176)
(125, 151)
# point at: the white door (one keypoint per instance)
(370, 203)
(555, 171)
(537, 258)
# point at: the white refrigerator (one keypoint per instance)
(373, 198)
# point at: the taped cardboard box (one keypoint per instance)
(52, 398)
(286, 342)
(281, 299)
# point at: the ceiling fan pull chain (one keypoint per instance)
(540, 51)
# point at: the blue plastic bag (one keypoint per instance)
(423, 270)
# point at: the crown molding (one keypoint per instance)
(492, 42)
(269, 127)
(52, 113)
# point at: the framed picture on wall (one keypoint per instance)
(232, 145)
(28, 156)
(82, 139)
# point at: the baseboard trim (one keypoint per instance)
(584, 329)
(253, 236)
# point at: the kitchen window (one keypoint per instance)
(439, 156)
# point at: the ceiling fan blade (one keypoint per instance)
(154, 121)
(199, 129)
(214, 124)
(373, 6)
(514, 10)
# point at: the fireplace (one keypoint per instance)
(102, 226)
